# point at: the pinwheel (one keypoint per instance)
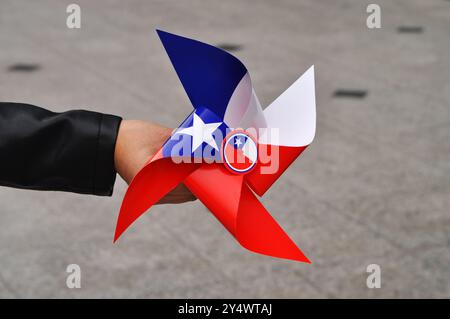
(228, 150)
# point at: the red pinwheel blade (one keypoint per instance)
(258, 231)
(152, 182)
(219, 190)
(266, 173)
(231, 201)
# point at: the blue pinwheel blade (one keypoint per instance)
(209, 75)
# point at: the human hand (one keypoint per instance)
(137, 142)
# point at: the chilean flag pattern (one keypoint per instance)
(220, 90)
(240, 152)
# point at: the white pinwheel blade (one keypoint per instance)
(293, 113)
(244, 109)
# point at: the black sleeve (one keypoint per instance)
(71, 151)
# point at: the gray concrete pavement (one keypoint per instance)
(374, 187)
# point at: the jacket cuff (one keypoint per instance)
(105, 172)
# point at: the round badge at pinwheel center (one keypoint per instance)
(239, 152)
